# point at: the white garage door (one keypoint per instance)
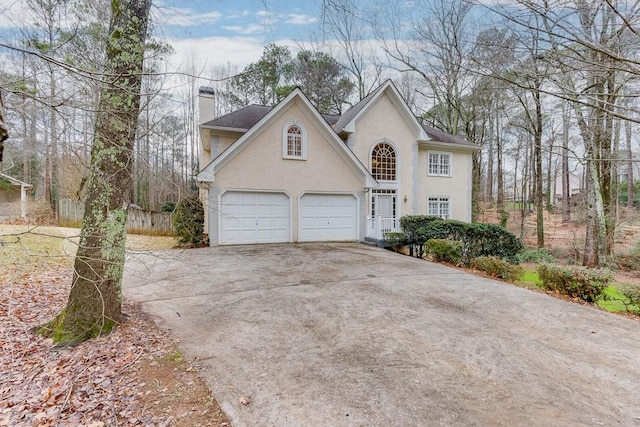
(327, 217)
(254, 218)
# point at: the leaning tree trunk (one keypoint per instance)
(94, 304)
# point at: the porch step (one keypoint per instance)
(374, 242)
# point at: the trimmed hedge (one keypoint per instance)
(497, 267)
(442, 250)
(576, 281)
(478, 239)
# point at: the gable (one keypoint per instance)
(265, 140)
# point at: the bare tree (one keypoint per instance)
(94, 304)
(346, 23)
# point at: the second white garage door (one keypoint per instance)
(247, 217)
(328, 217)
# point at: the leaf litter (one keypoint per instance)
(134, 376)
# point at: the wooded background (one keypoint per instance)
(549, 89)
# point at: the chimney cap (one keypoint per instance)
(206, 90)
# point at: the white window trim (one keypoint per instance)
(397, 159)
(285, 132)
(440, 153)
(448, 198)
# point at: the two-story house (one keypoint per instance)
(290, 174)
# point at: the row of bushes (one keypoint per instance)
(575, 281)
(494, 250)
(476, 239)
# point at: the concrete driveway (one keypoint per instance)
(351, 335)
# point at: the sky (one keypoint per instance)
(220, 32)
(211, 32)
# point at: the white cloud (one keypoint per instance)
(211, 51)
(299, 19)
(245, 29)
(12, 13)
(184, 17)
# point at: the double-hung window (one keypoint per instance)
(439, 164)
(439, 206)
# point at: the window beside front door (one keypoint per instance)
(439, 206)
(383, 204)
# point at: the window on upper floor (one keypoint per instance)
(383, 162)
(439, 206)
(294, 142)
(439, 163)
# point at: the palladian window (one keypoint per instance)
(383, 162)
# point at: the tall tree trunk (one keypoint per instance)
(95, 299)
(500, 175)
(4, 132)
(538, 167)
(630, 177)
(566, 191)
(550, 181)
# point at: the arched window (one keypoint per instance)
(294, 142)
(383, 162)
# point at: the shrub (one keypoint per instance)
(395, 240)
(442, 250)
(536, 255)
(410, 224)
(492, 240)
(575, 281)
(497, 267)
(477, 239)
(168, 207)
(632, 294)
(188, 222)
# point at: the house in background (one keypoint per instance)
(290, 174)
(13, 197)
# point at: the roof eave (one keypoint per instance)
(224, 128)
(468, 147)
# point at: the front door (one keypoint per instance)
(383, 204)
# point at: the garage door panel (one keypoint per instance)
(328, 217)
(247, 217)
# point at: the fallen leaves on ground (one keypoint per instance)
(134, 376)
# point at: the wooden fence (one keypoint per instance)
(70, 212)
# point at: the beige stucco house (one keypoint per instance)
(291, 174)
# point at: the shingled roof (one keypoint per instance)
(245, 118)
(442, 136)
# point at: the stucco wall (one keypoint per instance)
(259, 165)
(383, 122)
(457, 186)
